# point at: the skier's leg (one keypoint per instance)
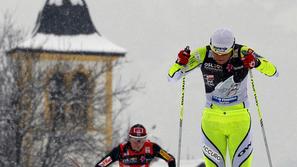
(213, 139)
(240, 140)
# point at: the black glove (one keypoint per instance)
(239, 72)
(172, 163)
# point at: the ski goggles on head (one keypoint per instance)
(221, 50)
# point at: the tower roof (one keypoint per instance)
(66, 26)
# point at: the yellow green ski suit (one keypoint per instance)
(226, 121)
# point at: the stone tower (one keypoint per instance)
(64, 32)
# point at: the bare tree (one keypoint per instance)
(31, 139)
(9, 37)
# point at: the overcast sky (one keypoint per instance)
(153, 31)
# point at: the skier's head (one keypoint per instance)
(137, 136)
(222, 41)
(137, 131)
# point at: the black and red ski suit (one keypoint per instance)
(130, 158)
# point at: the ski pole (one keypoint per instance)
(181, 113)
(261, 119)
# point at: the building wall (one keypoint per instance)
(70, 64)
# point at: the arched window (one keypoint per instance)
(57, 92)
(56, 87)
(80, 95)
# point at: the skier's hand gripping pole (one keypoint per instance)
(181, 113)
(260, 117)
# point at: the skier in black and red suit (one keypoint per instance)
(138, 151)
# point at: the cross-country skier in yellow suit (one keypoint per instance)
(226, 121)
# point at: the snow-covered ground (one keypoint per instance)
(161, 163)
(183, 163)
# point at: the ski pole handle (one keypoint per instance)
(187, 49)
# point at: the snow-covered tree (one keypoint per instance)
(28, 136)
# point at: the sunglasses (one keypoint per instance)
(137, 140)
(221, 51)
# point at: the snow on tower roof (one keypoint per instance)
(60, 2)
(66, 26)
(85, 44)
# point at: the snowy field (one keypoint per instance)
(161, 163)
(184, 163)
